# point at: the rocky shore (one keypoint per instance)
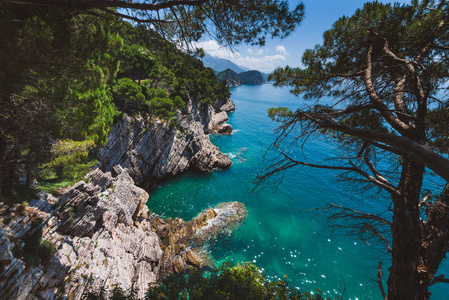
(102, 232)
(152, 150)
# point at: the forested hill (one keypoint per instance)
(251, 77)
(230, 77)
(59, 96)
(233, 79)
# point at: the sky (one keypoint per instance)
(319, 17)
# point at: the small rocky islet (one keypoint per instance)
(103, 233)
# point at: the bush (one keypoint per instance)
(71, 161)
(243, 281)
(34, 250)
(128, 96)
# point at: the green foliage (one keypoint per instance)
(135, 62)
(279, 113)
(52, 86)
(243, 281)
(71, 161)
(174, 71)
(438, 126)
(128, 96)
(229, 77)
(34, 251)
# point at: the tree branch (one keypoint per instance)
(397, 124)
(418, 152)
(86, 4)
(419, 90)
(377, 175)
(439, 278)
(379, 281)
(364, 215)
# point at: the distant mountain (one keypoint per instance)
(221, 64)
(251, 77)
(230, 76)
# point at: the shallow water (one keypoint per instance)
(283, 234)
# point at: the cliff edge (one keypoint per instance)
(100, 233)
(152, 149)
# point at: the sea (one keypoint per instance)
(286, 234)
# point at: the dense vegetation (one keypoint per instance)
(59, 96)
(251, 77)
(230, 77)
(243, 281)
(386, 67)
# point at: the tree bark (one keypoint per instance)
(2, 157)
(406, 231)
(434, 242)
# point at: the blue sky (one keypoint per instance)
(319, 16)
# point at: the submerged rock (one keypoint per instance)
(180, 238)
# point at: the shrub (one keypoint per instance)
(34, 250)
(128, 96)
(243, 281)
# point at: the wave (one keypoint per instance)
(231, 155)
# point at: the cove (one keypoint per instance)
(283, 234)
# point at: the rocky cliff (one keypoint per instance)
(100, 233)
(152, 150)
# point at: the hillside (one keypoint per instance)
(231, 78)
(140, 111)
(251, 77)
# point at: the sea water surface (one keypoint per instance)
(284, 234)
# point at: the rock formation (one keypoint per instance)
(104, 236)
(100, 233)
(179, 238)
(152, 150)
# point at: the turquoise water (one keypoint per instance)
(283, 234)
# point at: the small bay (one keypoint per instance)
(284, 234)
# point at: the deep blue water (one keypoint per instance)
(283, 234)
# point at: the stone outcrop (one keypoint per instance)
(152, 150)
(104, 236)
(179, 238)
(100, 233)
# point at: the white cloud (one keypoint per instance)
(214, 49)
(281, 49)
(265, 63)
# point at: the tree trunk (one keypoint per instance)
(406, 231)
(434, 242)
